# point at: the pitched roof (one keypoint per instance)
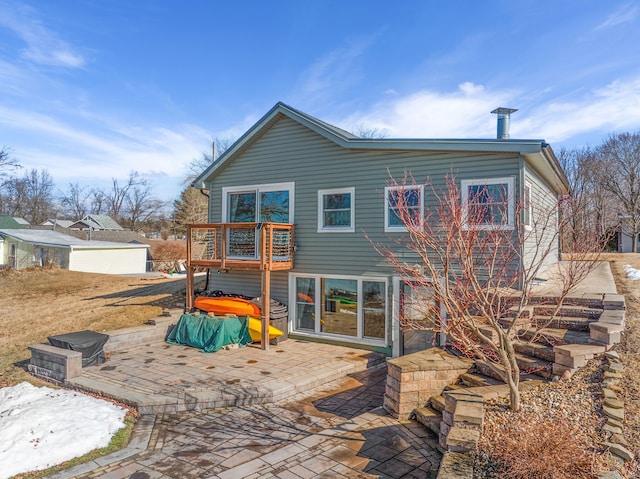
(538, 153)
(56, 222)
(61, 240)
(99, 222)
(124, 236)
(7, 222)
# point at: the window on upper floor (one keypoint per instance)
(488, 203)
(336, 210)
(258, 203)
(402, 205)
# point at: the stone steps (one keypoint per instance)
(535, 350)
(562, 322)
(555, 336)
(429, 418)
(568, 311)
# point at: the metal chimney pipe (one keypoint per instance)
(503, 121)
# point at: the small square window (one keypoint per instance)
(403, 204)
(336, 210)
(488, 204)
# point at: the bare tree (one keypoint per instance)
(364, 131)
(8, 165)
(97, 201)
(593, 207)
(74, 202)
(31, 196)
(620, 156)
(197, 165)
(479, 277)
(141, 205)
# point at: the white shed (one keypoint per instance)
(39, 247)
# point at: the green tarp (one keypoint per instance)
(209, 333)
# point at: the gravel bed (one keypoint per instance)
(576, 401)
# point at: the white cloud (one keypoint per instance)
(43, 45)
(81, 150)
(465, 113)
(626, 13)
(614, 107)
(335, 71)
(462, 113)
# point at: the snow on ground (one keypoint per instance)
(632, 273)
(42, 427)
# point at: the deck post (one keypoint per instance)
(266, 300)
(188, 303)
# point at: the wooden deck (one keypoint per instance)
(263, 247)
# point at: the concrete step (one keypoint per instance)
(562, 322)
(429, 418)
(568, 311)
(437, 403)
(476, 380)
(527, 367)
(536, 350)
(586, 300)
(531, 365)
(555, 336)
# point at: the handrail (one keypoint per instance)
(247, 245)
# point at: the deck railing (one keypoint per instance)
(240, 246)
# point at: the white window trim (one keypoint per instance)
(387, 189)
(290, 186)
(322, 228)
(360, 339)
(527, 207)
(464, 186)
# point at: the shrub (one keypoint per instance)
(530, 448)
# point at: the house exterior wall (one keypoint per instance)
(290, 152)
(543, 232)
(28, 254)
(109, 261)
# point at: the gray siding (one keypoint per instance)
(290, 152)
(544, 231)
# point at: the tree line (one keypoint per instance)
(33, 195)
(605, 185)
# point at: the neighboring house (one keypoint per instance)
(96, 223)
(625, 235)
(10, 222)
(333, 187)
(22, 248)
(56, 224)
(22, 222)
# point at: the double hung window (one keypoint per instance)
(336, 210)
(403, 206)
(488, 203)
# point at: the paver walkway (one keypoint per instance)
(337, 430)
(161, 377)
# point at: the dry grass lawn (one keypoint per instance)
(38, 303)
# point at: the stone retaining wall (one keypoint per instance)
(60, 365)
(414, 378)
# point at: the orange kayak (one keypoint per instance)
(227, 305)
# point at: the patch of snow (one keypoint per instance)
(42, 427)
(632, 273)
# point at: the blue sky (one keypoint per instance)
(91, 90)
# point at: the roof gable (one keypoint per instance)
(536, 152)
(97, 222)
(8, 222)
